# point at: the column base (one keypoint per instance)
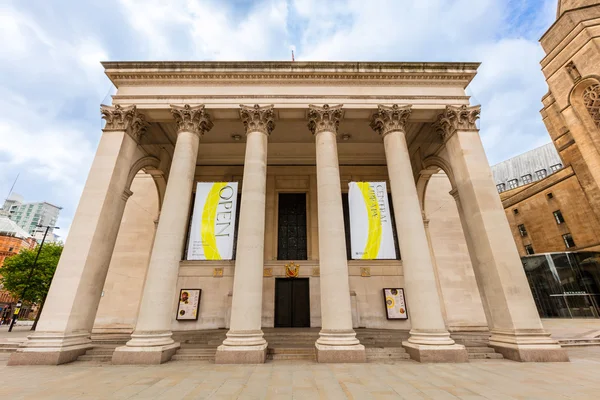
(48, 348)
(341, 346)
(427, 353)
(528, 346)
(151, 355)
(341, 354)
(146, 349)
(242, 347)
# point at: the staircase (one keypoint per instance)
(483, 353)
(477, 345)
(378, 354)
(194, 353)
(198, 345)
(101, 354)
(292, 353)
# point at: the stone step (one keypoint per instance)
(100, 352)
(579, 342)
(375, 350)
(295, 357)
(192, 357)
(471, 349)
(485, 356)
(291, 350)
(95, 358)
(8, 349)
(387, 353)
(197, 352)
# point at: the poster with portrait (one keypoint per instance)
(395, 305)
(189, 303)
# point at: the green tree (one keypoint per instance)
(16, 270)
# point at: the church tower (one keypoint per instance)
(572, 106)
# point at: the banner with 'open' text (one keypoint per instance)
(213, 221)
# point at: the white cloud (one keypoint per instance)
(52, 83)
(208, 30)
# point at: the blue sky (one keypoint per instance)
(52, 82)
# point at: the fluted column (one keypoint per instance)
(429, 339)
(337, 340)
(245, 343)
(63, 332)
(151, 341)
(517, 332)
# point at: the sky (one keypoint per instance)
(52, 83)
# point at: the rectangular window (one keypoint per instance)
(541, 174)
(558, 217)
(291, 237)
(522, 230)
(569, 242)
(501, 187)
(555, 167)
(526, 179)
(346, 208)
(513, 183)
(529, 249)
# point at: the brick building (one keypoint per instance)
(12, 240)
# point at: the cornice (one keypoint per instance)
(133, 98)
(168, 73)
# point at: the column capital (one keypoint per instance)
(192, 119)
(257, 118)
(324, 118)
(126, 119)
(390, 119)
(454, 119)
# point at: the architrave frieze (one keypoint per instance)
(455, 119)
(191, 119)
(257, 118)
(127, 119)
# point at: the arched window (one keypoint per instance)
(591, 99)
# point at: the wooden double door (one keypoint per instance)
(292, 303)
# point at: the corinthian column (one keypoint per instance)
(245, 343)
(151, 342)
(517, 332)
(429, 340)
(337, 340)
(63, 332)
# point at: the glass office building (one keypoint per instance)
(565, 285)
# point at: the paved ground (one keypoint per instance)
(493, 380)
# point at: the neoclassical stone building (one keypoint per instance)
(303, 131)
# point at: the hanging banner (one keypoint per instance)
(213, 221)
(371, 235)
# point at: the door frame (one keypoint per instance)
(275, 301)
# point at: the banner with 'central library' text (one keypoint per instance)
(371, 234)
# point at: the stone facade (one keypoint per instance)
(571, 114)
(307, 128)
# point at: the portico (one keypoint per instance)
(305, 129)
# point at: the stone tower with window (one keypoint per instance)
(572, 106)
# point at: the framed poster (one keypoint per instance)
(395, 305)
(189, 303)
